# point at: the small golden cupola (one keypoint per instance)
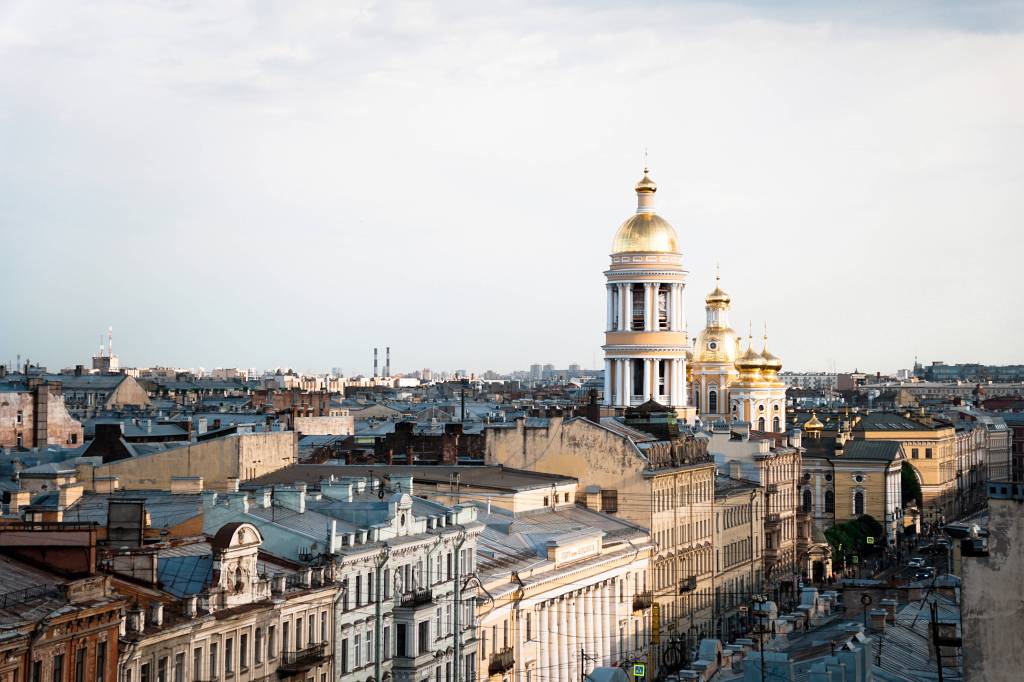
(645, 231)
(772, 363)
(750, 364)
(814, 424)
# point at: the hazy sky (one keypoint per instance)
(263, 184)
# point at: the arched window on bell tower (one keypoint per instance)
(713, 401)
(696, 398)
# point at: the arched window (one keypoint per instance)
(807, 500)
(830, 502)
(760, 423)
(775, 425)
(858, 503)
(696, 399)
(712, 401)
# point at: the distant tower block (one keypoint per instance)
(375, 374)
(645, 335)
(387, 361)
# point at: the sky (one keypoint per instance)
(264, 184)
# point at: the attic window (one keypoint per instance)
(610, 501)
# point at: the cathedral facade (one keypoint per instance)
(648, 355)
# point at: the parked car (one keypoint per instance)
(916, 562)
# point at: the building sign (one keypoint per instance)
(655, 622)
(575, 551)
(639, 670)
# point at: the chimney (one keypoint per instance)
(402, 484)
(156, 613)
(410, 458)
(136, 623)
(79, 370)
(387, 361)
(191, 606)
(292, 497)
(593, 410)
(306, 575)
(279, 583)
(375, 363)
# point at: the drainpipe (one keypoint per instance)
(457, 598)
(378, 623)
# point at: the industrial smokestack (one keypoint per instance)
(374, 363)
(387, 361)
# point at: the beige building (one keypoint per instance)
(644, 470)
(568, 591)
(739, 518)
(772, 461)
(845, 478)
(219, 462)
(32, 414)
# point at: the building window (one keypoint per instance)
(610, 501)
(424, 637)
(214, 670)
(369, 646)
(257, 646)
(272, 641)
(807, 500)
(298, 633)
(311, 627)
(712, 401)
(927, 453)
(386, 642)
(80, 664)
(243, 651)
(546, 501)
(161, 669)
(144, 673)
(760, 423)
(359, 591)
(101, 660)
(197, 663)
(179, 667)
(229, 656)
(776, 426)
(344, 655)
(830, 502)
(858, 503)
(913, 453)
(323, 626)
(357, 652)
(401, 642)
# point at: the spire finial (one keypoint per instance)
(718, 272)
(646, 165)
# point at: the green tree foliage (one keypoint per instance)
(847, 539)
(910, 486)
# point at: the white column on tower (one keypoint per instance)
(627, 382)
(565, 671)
(610, 289)
(581, 624)
(572, 638)
(627, 318)
(647, 379)
(601, 644)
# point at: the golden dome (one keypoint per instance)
(717, 296)
(645, 232)
(716, 344)
(751, 360)
(813, 424)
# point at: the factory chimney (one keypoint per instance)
(375, 363)
(387, 361)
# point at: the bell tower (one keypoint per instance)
(645, 333)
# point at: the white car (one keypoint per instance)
(916, 562)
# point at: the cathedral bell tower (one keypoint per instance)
(645, 336)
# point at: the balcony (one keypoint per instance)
(772, 488)
(642, 601)
(295, 662)
(688, 585)
(772, 520)
(416, 598)
(501, 662)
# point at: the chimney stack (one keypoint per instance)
(387, 361)
(375, 363)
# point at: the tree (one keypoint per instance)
(847, 539)
(910, 486)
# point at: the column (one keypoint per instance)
(570, 667)
(627, 382)
(591, 641)
(653, 314)
(627, 317)
(681, 319)
(673, 308)
(612, 621)
(610, 307)
(647, 288)
(551, 673)
(581, 629)
(608, 382)
(544, 630)
(673, 379)
(601, 608)
(647, 379)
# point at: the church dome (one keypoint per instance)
(751, 360)
(716, 344)
(645, 232)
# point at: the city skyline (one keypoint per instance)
(252, 194)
